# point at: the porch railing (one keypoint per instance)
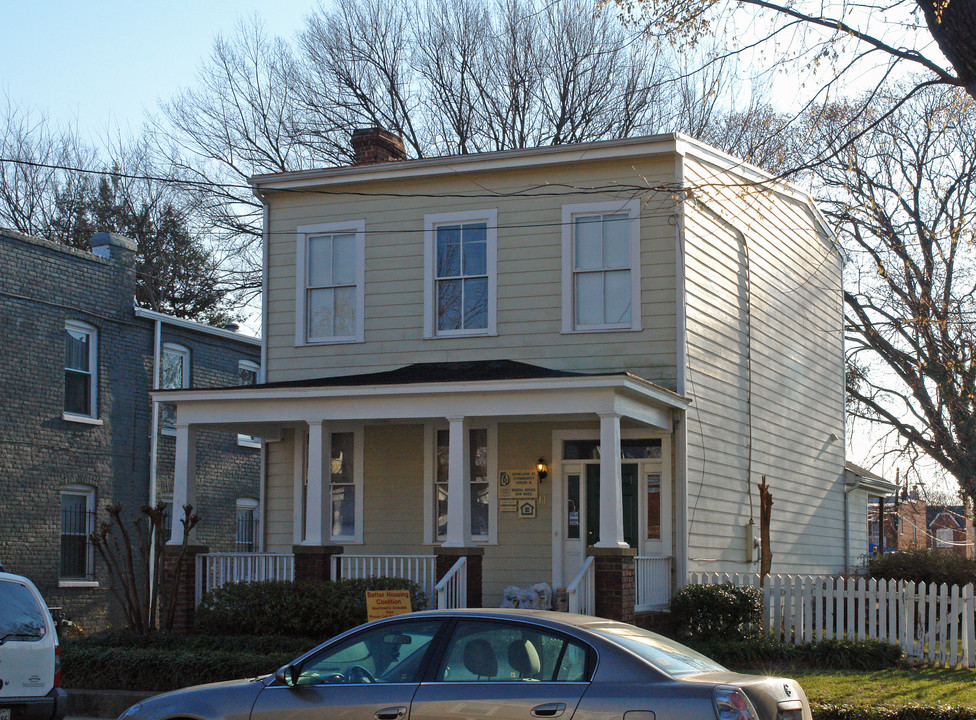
(581, 591)
(216, 569)
(452, 590)
(653, 579)
(419, 568)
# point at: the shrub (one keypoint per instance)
(300, 609)
(726, 611)
(174, 642)
(921, 565)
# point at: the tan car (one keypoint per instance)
(491, 665)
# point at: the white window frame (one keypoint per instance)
(184, 353)
(945, 537)
(249, 440)
(357, 473)
(88, 493)
(569, 213)
(91, 417)
(301, 281)
(488, 216)
(254, 506)
(430, 470)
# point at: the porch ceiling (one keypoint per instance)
(520, 391)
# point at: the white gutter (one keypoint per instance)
(196, 327)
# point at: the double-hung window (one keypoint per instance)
(247, 525)
(460, 273)
(601, 266)
(80, 376)
(481, 471)
(174, 375)
(77, 524)
(330, 269)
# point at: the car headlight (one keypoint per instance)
(732, 704)
(131, 711)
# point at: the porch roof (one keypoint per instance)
(486, 388)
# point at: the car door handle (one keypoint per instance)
(549, 710)
(391, 713)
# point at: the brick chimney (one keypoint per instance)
(375, 145)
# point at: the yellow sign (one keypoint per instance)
(386, 603)
(518, 484)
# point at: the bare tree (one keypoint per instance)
(833, 31)
(903, 202)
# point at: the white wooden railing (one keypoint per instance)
(419, 568)
(581, 591)
(652, 575)
(216, 569)
(452, 590)
(932, 623)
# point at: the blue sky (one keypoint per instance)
(101, 63)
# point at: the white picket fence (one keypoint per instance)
(933, 624)
(419, 568)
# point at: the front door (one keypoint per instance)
(582, 516)
(646, 494)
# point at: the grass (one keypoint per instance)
(893, 688)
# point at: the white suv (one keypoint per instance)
(30, 663)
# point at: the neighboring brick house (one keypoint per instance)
(910, 522)
(76, 432)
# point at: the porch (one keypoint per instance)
(652, 576)
(389, 473)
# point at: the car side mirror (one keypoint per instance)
(286, 675)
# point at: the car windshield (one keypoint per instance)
(667, 655)
(22, 619)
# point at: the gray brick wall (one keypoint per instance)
(42, 285)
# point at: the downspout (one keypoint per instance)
(262, 373)
(154, 438)
(678, 425)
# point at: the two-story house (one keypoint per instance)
(78, 430)
(566, 364)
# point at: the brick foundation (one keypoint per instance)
(184, 586)
(616, 590)
(447, 556)
(314, 562)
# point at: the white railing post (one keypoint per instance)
(580, 593)
(452, 590)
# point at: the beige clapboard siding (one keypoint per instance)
(529, 286)
(393, 492)
(280, 494)
(796, 384)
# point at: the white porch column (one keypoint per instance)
(184, 481)
(611, 484)
(315, 499)
(458, 485)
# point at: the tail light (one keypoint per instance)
(732, 704)
(57, 666)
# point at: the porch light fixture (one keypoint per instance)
(542, 469)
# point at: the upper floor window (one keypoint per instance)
(174, 375)
(80, 365)
(601, 266)
(330, 269)
(460, 273)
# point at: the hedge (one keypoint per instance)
(726, 610)
(300, 609)
(834, 654)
